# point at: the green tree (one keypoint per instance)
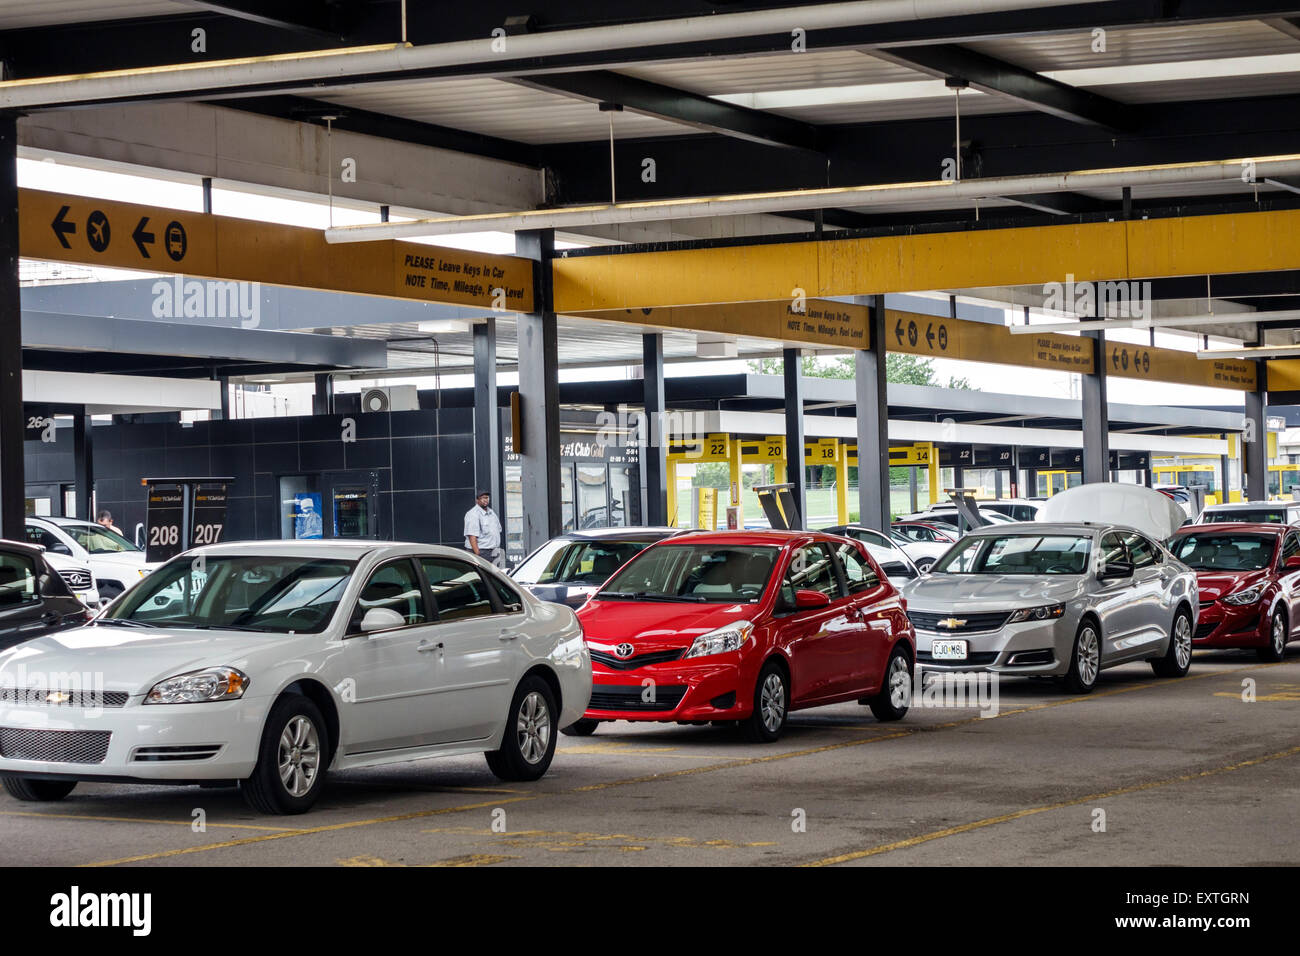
(900, 367)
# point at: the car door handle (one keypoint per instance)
(425, 647)
(509, 636)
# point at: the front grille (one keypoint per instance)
(638, 660)
(58, 746)
(614, 697)
(1204, 630)
(194, 752)
(88, 699)
(77, 580)
(973, 657)
(971, 623)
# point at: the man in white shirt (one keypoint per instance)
(483, 530)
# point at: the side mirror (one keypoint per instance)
(1292, 563)
(381, 619)
(1115, 570)
(806, 599)
(60, 548)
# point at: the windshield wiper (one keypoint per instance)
(651, 596)
(229, 627)
(124, 622)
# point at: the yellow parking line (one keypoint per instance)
(395, 818)
(171, 823)
(648, 778)
(1030, 811)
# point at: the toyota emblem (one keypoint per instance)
(624, 651)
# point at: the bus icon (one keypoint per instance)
(176, 241)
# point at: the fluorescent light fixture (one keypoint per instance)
(1250, 352)
(1164, 322)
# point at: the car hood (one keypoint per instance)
(1133, 506)
(943, 592)
(654, 625)
(129, 659)
(1215, 584)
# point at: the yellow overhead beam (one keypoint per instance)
(100, 232)
(1140, 249)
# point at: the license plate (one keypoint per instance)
(948, 650)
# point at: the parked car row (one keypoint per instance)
(269, 663)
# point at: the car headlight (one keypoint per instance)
(212, 683)
(1046, 612)
(724, 639)
(1248, 596)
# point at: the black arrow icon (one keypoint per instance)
(142, 238)
(62, 228)
(898, 331)
(929, 335)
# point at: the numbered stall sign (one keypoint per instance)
(208, 515)
(166, 517)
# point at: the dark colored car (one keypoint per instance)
(1249, 579)
(743, 627)
(568, 569)
(34, 600)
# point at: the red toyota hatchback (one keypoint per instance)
(1249, 579)
(744, 627)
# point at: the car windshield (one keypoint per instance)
(1247, 516)
(1018, 554)
(97, 540)
(577, 562)
(1224, 551)
(235, 592)
(703, 573)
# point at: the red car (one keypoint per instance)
(744, 627)
(1249, 579)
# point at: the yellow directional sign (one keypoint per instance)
(716, 446)
(985, 342)
(770, 450)
(129, 236)
(1171, 365)
(820, 322)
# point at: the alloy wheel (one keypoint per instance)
(299, 756)
(1089, 656)
(1279, 635)
(771, 701)
(1183, 640)
(900, 683)
(534, 727)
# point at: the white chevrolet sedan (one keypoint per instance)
(271, 662)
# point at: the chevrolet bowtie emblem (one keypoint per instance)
(953, 622)
(57, 697)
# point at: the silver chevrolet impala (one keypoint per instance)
(1059, 600)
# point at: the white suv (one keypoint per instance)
(115, 562)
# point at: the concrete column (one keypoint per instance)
(12, 487)
(322, 403)
(794, 470)
(538, 443)
(489, 469)
(654, 450)
(1096, 421)
(83, 465)
(1255, 453)
(873, 423)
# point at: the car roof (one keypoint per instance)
(352, 549)
(1251, 505)
(1051, 527)
(770, 537)
(1254, 527)
(9, 544)
(631, 534)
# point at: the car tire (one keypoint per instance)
(291, 759)
(580, 728)
(1085, 660)
(528, 743)
(37, 791)
(896, 689)
(771, 704)
(925, 564)
(1178, 658)
(1275, 650)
